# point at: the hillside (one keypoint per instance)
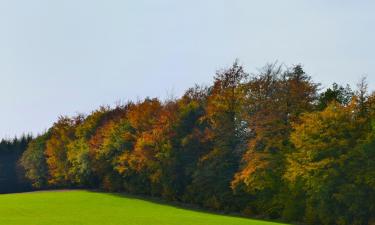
(91, 208)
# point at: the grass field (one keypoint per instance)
(93, 208)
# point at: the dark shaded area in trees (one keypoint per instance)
(12, 176)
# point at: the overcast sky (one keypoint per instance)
(69, 56)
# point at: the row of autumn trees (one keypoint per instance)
(269, 145)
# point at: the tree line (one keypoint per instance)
(269, 145)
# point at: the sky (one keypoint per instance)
(71, 56)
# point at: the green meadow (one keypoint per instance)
(93, 208)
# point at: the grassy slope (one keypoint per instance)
(91, 208)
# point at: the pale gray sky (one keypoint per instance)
(68, 56)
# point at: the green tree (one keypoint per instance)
(34, 162)
(337, 93)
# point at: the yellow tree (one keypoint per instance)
(78, 150)
(61, 134)
(323, 144)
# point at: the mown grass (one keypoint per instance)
(94, 208)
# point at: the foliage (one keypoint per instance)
(12, 175)
(34, 161)
(269, 145)
(326, 145)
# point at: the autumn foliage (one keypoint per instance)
(271, 145)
